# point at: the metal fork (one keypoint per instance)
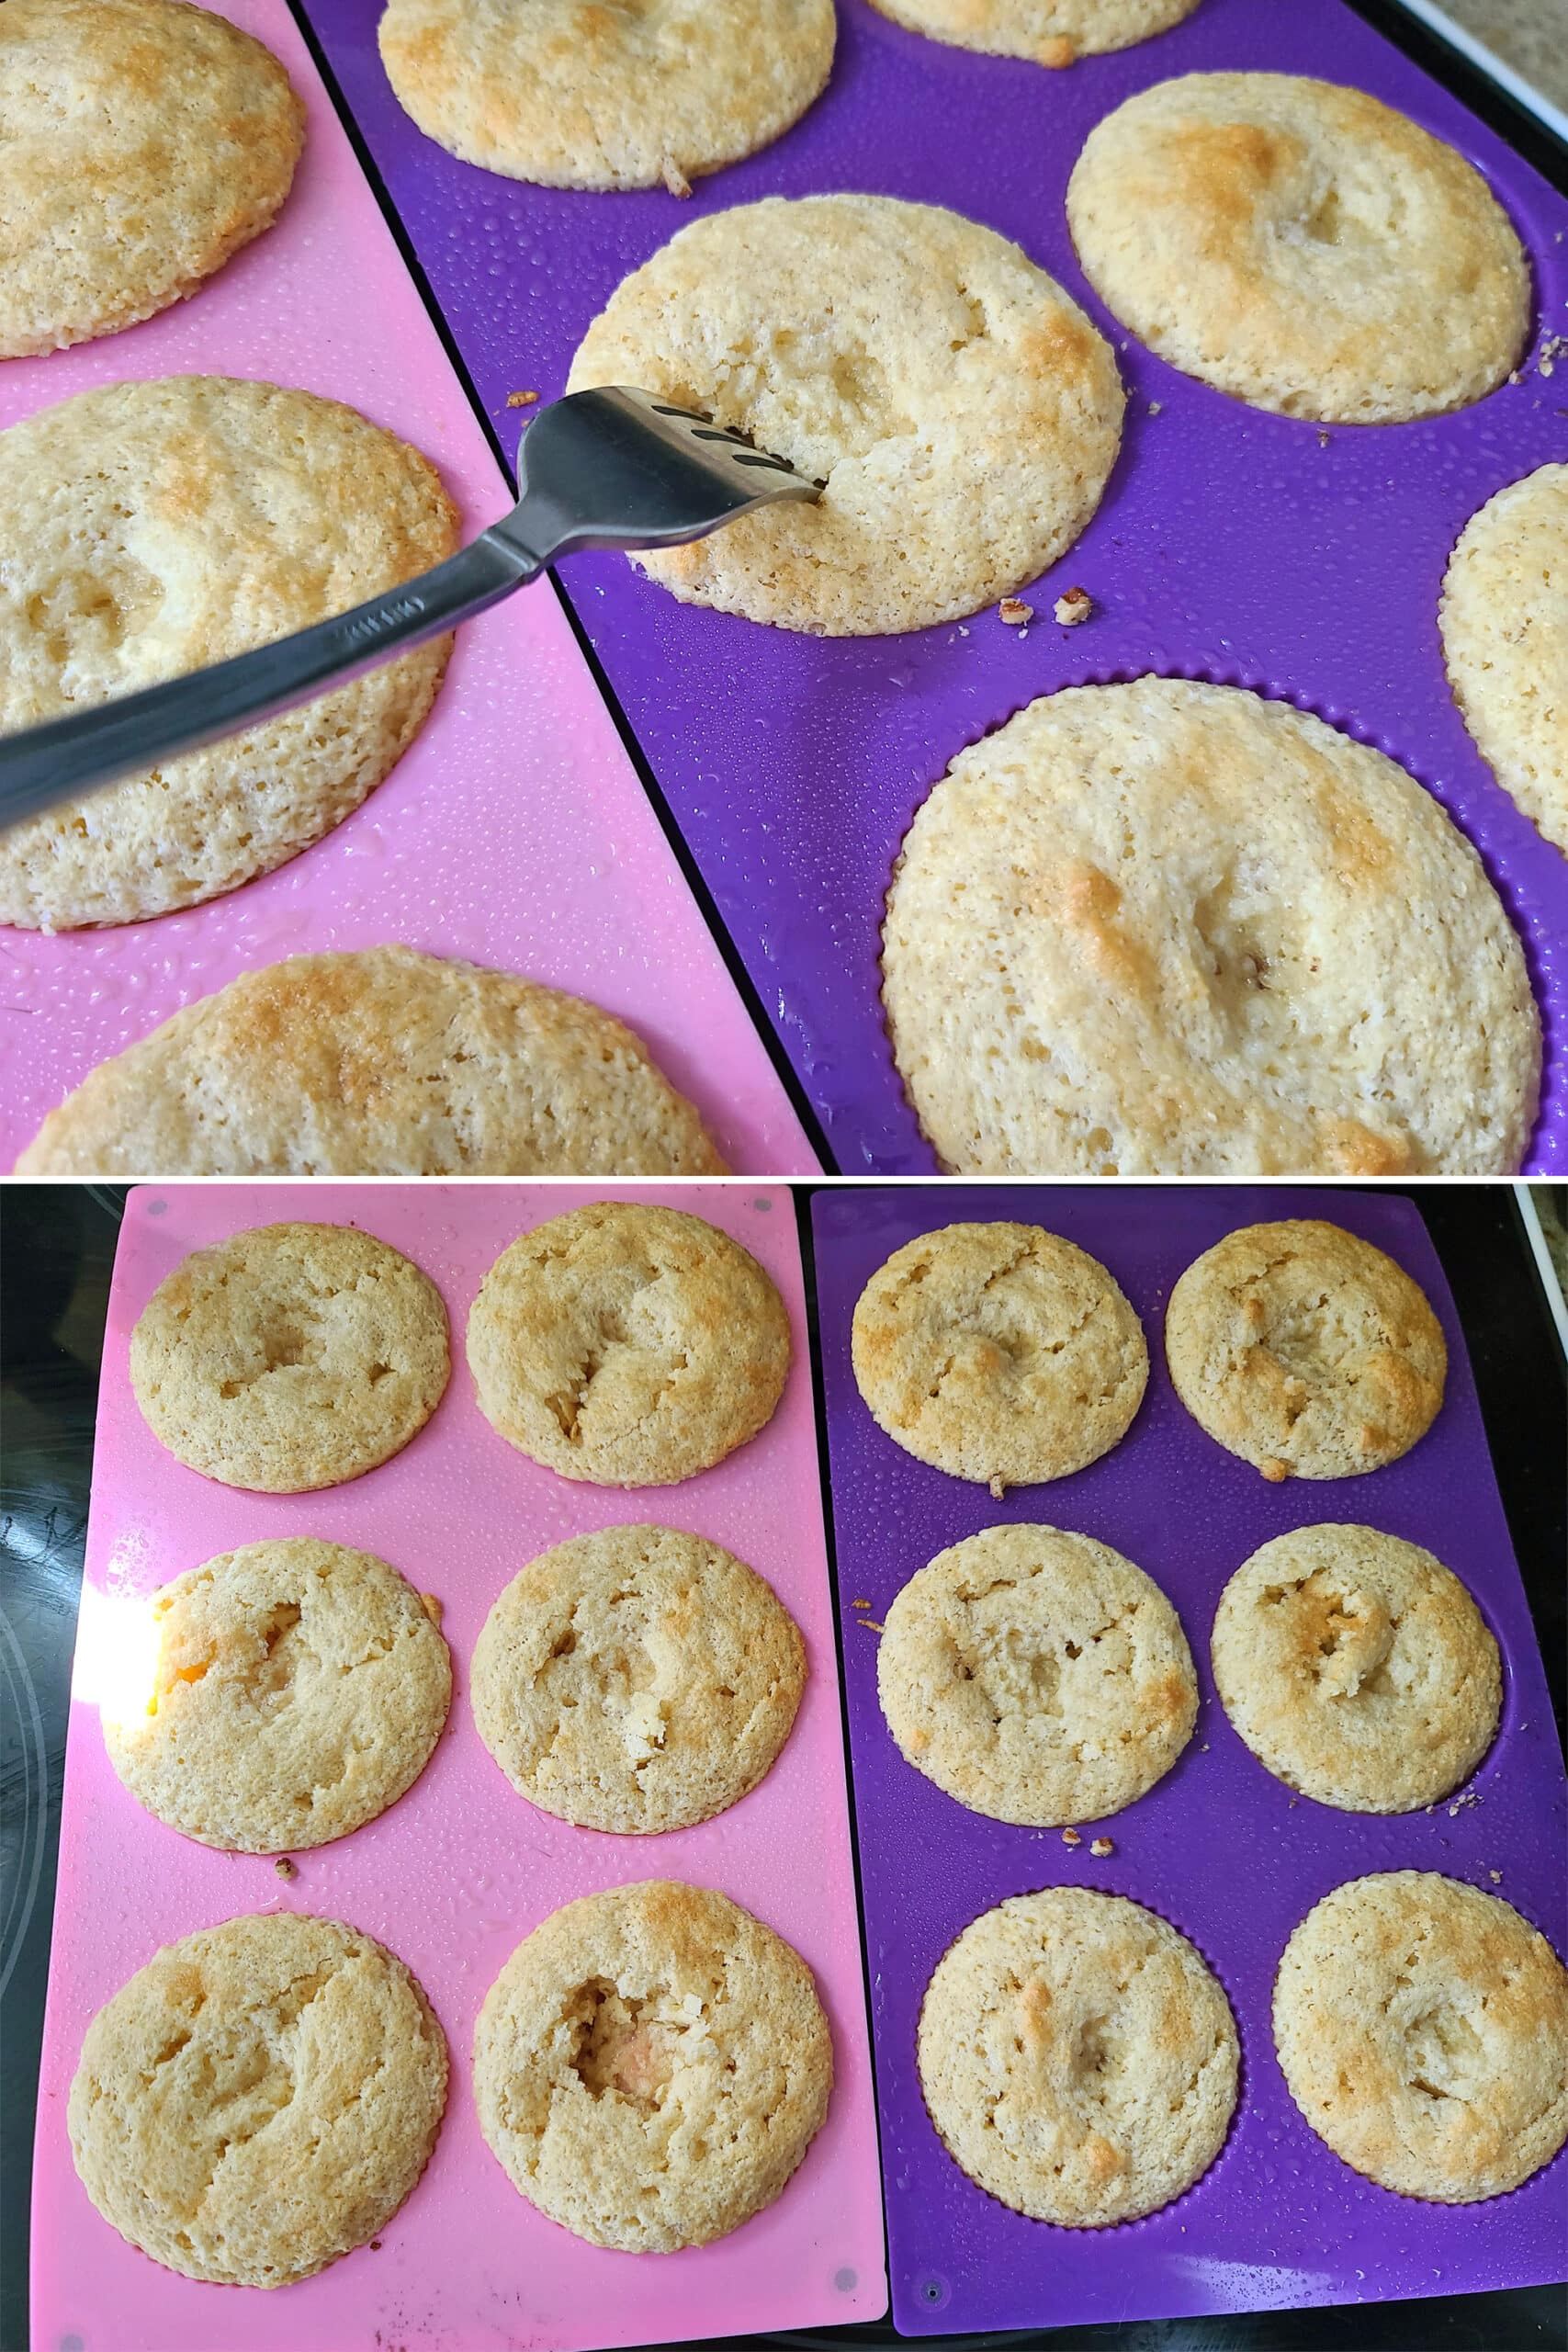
(615, 468)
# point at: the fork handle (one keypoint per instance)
(67, 757)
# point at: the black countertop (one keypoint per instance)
(57, 1249)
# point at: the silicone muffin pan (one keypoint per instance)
(457, 1873)
(1225, 1852)
(1231, 545)
(514, 832)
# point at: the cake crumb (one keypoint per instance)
(675, 180)
(1015, 611)
(521, 399)
(1323, 440)
(1495, 1877)
(1074, 606)
(999, 1488)
(1275, 1471)
(284, 1867)
(1100, 1845)
(872, 1622)
(1155, 407)
(431, 1606)
(859, 1604)
(1071, 1837)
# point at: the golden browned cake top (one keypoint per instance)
(650, 2066)
(156, 527)
(145, 141)
(627, 1344)
(259, 2098)
(1169, 928)
(636, 1679)
(1000, 1353)
(1036, 1676)
(581, 94)
(1077, 2057)
(1301, 245)
(1049, 33)
(1423, 2031)
(1504, 624)
(291, 1357)
(287, 1692)
(960, 412)
(1306, 1349)
(379, 1062)
(1357, 1668)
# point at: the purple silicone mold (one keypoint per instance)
(1230, 542)
(1227, 1853)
